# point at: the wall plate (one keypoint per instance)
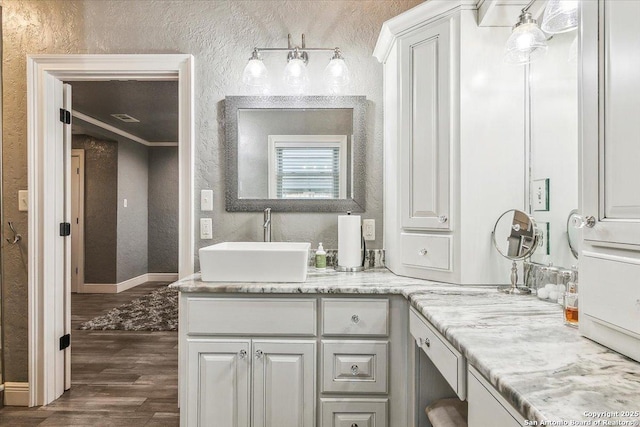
(540, 195)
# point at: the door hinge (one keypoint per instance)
(65, 341)
(65, 229)
(65, 116)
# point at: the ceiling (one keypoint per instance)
(154, 103)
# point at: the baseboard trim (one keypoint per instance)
(114, 288)
(16, 394)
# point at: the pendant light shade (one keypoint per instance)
(337, 73)
(526, 43)
(560, 16)
(255, 72)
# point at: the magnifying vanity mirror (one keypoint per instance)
(573, 232)
(295, 153)
(515, 236)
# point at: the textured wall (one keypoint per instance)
(163, 209)
(220, 35)
(133, 186)
(100, 207)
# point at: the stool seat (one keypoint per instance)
(448, 413)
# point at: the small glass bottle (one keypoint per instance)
(571, 304)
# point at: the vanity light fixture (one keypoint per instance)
(527, 41)
(560, 16)
(295, 73)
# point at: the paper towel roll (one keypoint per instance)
(349, 254)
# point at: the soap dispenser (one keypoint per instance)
(321, 257)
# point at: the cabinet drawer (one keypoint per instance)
(250, 316)
(355, 316)
(426, 251)
(450, 363)
(353, 413)
(354, 366)
(487, 407)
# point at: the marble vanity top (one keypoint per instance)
(519, 343)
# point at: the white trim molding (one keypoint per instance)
(16, 394)
(45, 275)
(114, 288)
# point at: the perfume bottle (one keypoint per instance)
(571, 304)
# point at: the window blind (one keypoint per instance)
(308, 172)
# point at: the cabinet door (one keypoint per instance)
(284, 383)
(610, 136)
(217, 384)
(424, 130)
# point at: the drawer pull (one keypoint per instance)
(427, 342)
(442, 219)
(423, 252)
(259, 354)
(242, 354)
(354, 425)
(354, 370)
(355, 318)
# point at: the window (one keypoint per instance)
(307, 166)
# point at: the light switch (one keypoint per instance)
(369, 229)
(540, 195)
(23, 200)
(206, 228)
(206, 200)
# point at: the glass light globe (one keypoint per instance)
(255, 73)
(560, 16)
(295, 73)
(337, 73)
(526, 44)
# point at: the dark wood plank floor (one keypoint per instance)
(118, 378)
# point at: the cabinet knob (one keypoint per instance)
(423, 252)
(355, 318)
(242, 354)
(259, 354)
(426, 342)
(354, 425)
(442, 219)
(579, 221)
(354, 370)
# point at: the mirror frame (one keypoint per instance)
(536, 236)
(357, 201)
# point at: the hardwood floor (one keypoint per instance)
(118, 378)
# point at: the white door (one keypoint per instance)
(284, 383)
(610, 258)
(77, 219)
(424, 131)
(220, 395)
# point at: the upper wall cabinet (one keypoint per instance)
(453, 142)
(425, 85)
(610, 131)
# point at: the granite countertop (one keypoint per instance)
(519, 343)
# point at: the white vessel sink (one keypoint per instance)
(255, 262)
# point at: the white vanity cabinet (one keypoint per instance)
(487, 407)
(286, 361)
(451, 168)
(610, 133)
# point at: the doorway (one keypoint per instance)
(49, 257)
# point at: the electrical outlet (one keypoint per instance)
(369, 229)
(206, 228)
(206, 200)
(23, 200)
(540, 195)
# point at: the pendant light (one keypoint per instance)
(560, 16)
(255, 72)
(527, 41)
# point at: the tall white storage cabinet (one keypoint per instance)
(454, 142)
(610, 259)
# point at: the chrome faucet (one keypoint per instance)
(267, 225)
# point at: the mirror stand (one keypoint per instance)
(514, 289)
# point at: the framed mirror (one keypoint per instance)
(295, 153)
